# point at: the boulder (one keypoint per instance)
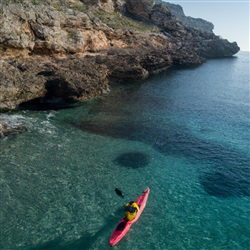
(6, 130)
(140, 8)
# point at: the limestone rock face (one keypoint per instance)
(140, 8)
(18, 84)
(217, 47)
(43, 29)
(162, 17)
(195, 23)
(75, 78)
(131, 65)
(192, 34)
(72, 49)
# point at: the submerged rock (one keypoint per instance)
(226, 184)
(133, 159)
(6, 129)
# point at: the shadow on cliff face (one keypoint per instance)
(43, 104)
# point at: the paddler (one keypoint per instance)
(131, 210)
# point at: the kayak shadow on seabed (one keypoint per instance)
(86, 241)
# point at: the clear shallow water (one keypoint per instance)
(185, 131)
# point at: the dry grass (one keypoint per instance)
(118, 21)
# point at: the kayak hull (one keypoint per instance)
(123, 227)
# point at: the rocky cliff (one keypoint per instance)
(195, 23)
(73, 49)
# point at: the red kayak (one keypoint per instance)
(123, 226)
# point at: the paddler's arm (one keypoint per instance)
(136, 206)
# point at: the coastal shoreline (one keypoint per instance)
(75, 50)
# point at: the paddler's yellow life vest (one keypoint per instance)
(131, 210)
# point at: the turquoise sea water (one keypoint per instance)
(185, 131)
